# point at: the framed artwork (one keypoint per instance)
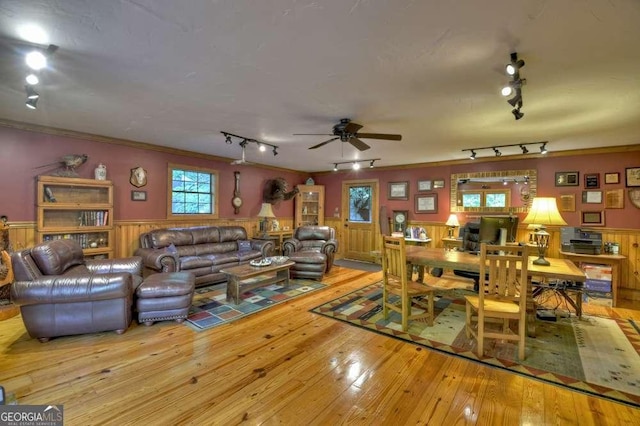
(567, 178)
(427, 203)
(614, 199)
(632, 176)
(592, 218)
(139, 195)
(438, 183)
(567, 203)
(592, 197)
(592, 180)
(424, 185)
(398, 191)
(610, 178)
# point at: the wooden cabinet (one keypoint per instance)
(79, 209)
(310, 205)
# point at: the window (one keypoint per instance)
(486, 198)
(192, 192)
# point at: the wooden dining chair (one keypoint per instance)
(396, 282)
(501, 297)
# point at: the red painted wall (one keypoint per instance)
(22, 152)
(628, 218)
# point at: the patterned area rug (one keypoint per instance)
(599, 356)
(211, 309)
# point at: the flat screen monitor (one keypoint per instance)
(490, 228)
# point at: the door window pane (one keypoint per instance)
(360, 204)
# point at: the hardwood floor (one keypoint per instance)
(281, 366)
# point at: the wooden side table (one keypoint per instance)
(612, 260)
(277, 237)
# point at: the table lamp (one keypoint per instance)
(543, 211)
(452, 223)
(266, 211)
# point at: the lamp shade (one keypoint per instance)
(453, 220)
(544, 211)
(266, 211)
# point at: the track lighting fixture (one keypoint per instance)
(31, 93)
(262, 146)
(355, 164)
(515, 85)
(31, 103)
(32, 79)
(498, 153)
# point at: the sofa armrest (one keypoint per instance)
(264, 246)
(69, 289)
(132, 265)
(329, 247)
(291, 245)
(158, 260)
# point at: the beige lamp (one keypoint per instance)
(452, 223)
(266, 211)
(543, 212)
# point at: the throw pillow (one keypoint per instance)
(172, 249)
(244, 245)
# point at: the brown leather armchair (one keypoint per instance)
(312, 248)
(60, 293)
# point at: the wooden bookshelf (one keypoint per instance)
(79, 209)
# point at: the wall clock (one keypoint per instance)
(236, 201)
(400, 218)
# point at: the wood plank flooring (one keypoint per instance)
(284, 366)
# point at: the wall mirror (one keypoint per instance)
(506, 191)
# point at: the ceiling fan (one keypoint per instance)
(242, 159)
(347, 131)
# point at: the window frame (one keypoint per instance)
(171, 167)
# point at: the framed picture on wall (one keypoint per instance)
(139, 195)
(398, 191)
(632, 176)
(567, 203)
(610, 178)
(424, 185)
(427, 203)
(592, 218)
(567, 178)
(592, 197)
(592, 180)
(438, 183)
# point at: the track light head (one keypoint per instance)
(371, 164)
(543, 148)
(335, 167)
(31, 93)
(275, 151)
(517, 114)
(356, 166)
(32, 103)
(32, 79)
(516, 99)
(524, 149)
(497, 152)
(473, 155)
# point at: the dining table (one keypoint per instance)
(559, 269)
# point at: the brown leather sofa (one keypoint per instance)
(203, 251)
(312, 249)
(60, 293)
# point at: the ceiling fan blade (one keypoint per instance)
(313, 134)
(323, 143)
(380, 136)
(358, 144)
(352, 128)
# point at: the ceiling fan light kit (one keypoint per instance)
(515, 85)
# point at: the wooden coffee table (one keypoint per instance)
(239, 278)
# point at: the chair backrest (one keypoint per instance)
(56, 257)
(314, 236)
(505, 271)
(394, 259)
(470, 234)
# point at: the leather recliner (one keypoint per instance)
(312, 249)
(60, 293)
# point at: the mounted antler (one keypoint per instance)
(275, 190)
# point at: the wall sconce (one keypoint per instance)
(355, 164)
(498, 153)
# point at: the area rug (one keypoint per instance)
(595, 355)
(359, 265)
(211, 309)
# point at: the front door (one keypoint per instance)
(360, 218)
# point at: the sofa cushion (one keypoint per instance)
(246, 256)
(193, 262)
(222, 258)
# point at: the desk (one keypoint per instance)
(452, 243)
(563, 269)
(426, 242)
(612, 260)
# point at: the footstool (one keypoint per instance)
(165, 296)
(308, 264)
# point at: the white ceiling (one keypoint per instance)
(176, 73)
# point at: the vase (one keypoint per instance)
(101, 172)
